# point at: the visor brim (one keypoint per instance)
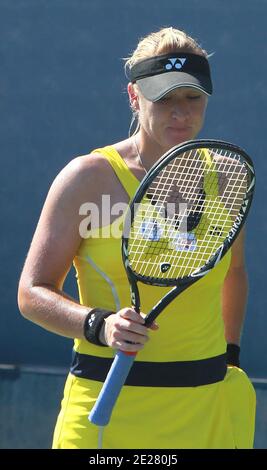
(155, 87)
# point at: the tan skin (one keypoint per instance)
(176, 118)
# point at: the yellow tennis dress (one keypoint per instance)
(179, 395)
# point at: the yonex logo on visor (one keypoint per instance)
(176, 63)
(158, 75)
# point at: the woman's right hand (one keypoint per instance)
(125, 330)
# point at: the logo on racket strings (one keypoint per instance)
(164, 267)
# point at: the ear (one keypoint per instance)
(133, 96)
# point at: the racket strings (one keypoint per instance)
(172, 180)
(169, 175)
(188, 210)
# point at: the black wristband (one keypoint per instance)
(232, 355)
(93, 323)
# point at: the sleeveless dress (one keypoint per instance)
(161, 406)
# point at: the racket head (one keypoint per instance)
(187, 212)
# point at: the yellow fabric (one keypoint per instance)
(187, 313)
(217, 416)
(191, 328)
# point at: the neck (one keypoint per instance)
(140, 160)
(148, 153)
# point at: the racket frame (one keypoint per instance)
(182, 283)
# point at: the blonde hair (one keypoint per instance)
(164, 41)
(161, 42)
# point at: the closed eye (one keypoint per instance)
(194, 97)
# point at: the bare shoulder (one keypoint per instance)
(228, 166)
(232, 174)
(57, 236)
(83, 174)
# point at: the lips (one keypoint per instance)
(179, 129)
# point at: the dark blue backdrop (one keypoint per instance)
(62, 93)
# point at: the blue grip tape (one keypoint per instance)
(101, 412)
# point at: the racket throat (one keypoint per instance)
(164, 302)
(135, 297)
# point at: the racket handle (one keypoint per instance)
(101, 412)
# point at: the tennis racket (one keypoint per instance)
(184, 217)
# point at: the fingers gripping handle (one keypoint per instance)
(102, 410)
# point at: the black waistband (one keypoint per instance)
(154, 374)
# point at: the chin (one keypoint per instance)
(174, 138)
(178, 141)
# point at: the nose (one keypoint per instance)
(180, 110)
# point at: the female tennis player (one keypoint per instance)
(169, 86)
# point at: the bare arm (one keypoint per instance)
(235, 291)
(55, 242)
(54, 245)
